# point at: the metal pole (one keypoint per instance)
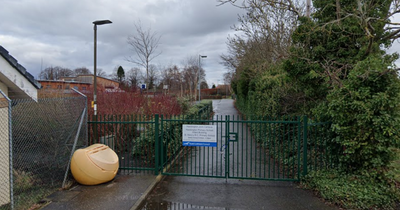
(74, 146)
(198, 75)
(198, 79)
(95, 71)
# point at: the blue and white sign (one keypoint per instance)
(199, 135)
(143, 86)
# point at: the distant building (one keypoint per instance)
(102, 83)
(64, 85)
(82, 83)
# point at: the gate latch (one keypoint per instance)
(233, 137)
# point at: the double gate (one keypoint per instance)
(264, 148)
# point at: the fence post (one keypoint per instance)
(95, 134)
(226, 152)
(305, 133)
(157, 145)
(162, 147)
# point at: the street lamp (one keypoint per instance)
(217, 87)
(96, 23)
(198, 75)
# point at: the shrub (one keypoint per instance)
(172, 131)
(184, 103)
(133, 103)
(365, 115)
(353, 191)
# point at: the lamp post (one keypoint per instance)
(217, 87)
(96, 23)
(198, 75)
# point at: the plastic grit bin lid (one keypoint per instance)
(94, 165)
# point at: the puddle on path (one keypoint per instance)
(156, 201)
(164, 205)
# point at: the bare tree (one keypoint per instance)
(101, 73)
(228, 77)
(289, 5)
(265, 37)
(133, 77)
(204, 85)
(55, 73)
(82, 71)
(191, 73)
(171, 76)
(144, 43)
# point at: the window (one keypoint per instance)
(83, 88)
(76, 88)
(48, 86)
(66, 87)
(59, 86)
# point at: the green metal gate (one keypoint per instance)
(264, 149)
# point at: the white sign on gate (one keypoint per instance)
(199, 135)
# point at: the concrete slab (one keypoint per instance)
(121, 193)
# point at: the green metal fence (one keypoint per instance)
(192, 161)
(266, 149)
(282, 149)
(312, 149)
(137, 139)
(322, 152)
(131, 137)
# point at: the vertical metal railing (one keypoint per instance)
(157, 145)
(305, 130)
(321, 151)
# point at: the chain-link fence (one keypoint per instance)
(44, 135)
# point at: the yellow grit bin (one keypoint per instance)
(94, 165)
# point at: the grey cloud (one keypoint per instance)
(60, 32)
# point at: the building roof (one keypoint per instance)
(13, 62)
(62, 81)
(88, 75)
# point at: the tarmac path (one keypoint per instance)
(187, 192)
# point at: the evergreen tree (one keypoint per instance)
(120, 74)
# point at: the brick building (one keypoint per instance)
(81, 83)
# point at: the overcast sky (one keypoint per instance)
(44, 33)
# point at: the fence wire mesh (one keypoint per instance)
(43, 134)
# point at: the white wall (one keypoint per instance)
(4, 149)
(13, 79)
